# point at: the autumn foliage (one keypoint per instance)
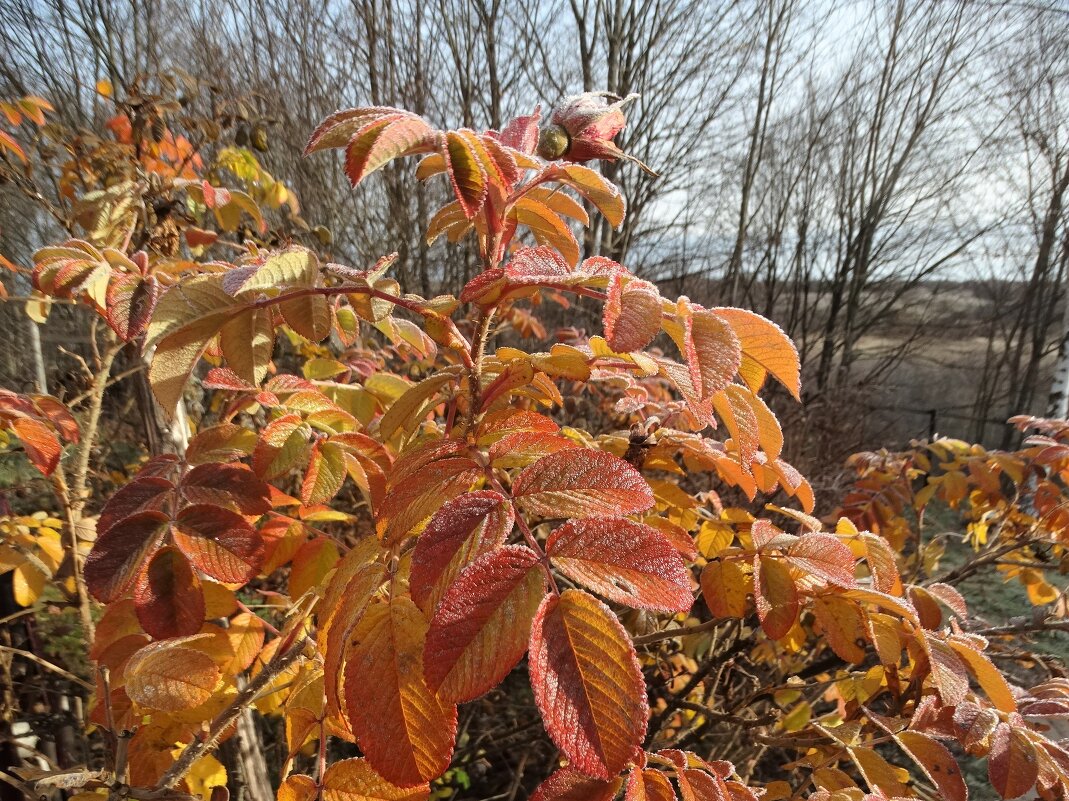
(428, 522)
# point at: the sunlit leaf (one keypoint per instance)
(587, 683)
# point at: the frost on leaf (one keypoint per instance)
(587, 683)
(481, 626)
(626, 562)
(582, 483)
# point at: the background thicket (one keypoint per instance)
(881, 178)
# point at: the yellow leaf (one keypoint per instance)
(29, 584)
(38, 307)
(206, 773)
(797, 718)
(104, 88)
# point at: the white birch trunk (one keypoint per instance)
(1058, 401)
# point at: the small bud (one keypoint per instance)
(553, 142)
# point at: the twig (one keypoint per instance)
(1022, 628)
(48, 665)
(680, 631)
(222, 721)
(20, 786)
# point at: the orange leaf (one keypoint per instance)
(765, 350)
(8, 142)
(312, 562)
(587, 683)
(989, 677)
(466, 173)
(297, 787)
(711, 349)
(571, 785)
(39, 441)
(547, 227)
(740, 419)
(325, 475)
(382, 141)
(405, 731)
(843, 627)
(592, 185)
(648, 785)
(937, 763)
(170, 677)
(724, 588)
(776, 596)
(948, 671)
(355, 780)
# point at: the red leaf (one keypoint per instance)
(219, 542)
(776, 596)
(1012, 765)
(823, 555)
(403, 728)
(232, 485)
(582, 483)
(168, 596)
(226, 379)
(632, 314)
(712, 350)
(485, 288)
(626, 562)
(521, 132)
(480, 629)
(130, 301)
(144, 493)
(571, 785)
(460, 531)
(119, 554)
(587, 683)
(415, 494)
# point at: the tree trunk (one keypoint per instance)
(1058, 400)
